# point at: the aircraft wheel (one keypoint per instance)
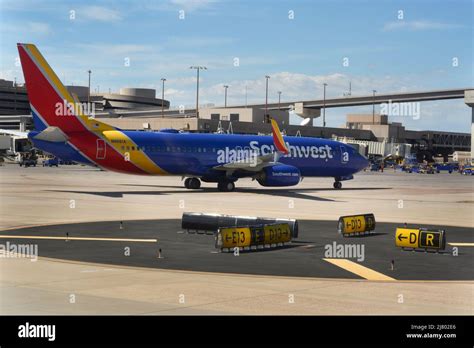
(186, 183)
(194, 183)
(226, 186)
(337, 185)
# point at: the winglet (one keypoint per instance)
(278, 139)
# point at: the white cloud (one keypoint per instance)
(418, 25)
(98, 13)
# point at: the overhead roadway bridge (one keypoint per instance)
(369, 100)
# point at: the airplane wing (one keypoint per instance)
(255, 163)
(251, 164)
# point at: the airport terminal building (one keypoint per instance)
(139, 109)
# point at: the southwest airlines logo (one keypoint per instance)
(249, 153)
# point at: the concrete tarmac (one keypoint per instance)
(30, 197)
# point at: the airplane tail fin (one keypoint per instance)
(278, 139)
(51, 103)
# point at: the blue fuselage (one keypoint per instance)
(197, 154)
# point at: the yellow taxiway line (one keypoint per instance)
(81, 238)
(461, 244)
(358, 269)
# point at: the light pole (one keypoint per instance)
(373, 107)
(225, 95)
(246, 96)
(163, 97)
(266, 97)
(279, 100)
(324, 105)
(197, 86)
(89, 90)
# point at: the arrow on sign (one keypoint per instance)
(400, 237)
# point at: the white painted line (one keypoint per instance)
(81, 238)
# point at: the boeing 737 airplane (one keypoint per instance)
(64, 130)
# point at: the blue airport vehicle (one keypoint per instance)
(468, 170)
(50, 162)
(374, 167)
(448, 167)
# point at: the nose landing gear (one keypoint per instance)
(337, 185)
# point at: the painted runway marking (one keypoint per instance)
(358, 269)
(308, 246)
(462, 244)
(81, 238)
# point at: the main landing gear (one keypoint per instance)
(223, 185)
(226, 186)
(337, 185)
(192, 183)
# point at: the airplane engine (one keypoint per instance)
(279, 175)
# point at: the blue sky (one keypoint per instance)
(384, 52)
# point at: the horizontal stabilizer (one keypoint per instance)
(52, 134)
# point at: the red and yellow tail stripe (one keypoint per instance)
(278, 139)
(45, 92)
